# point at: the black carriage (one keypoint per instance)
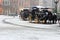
(43, 15)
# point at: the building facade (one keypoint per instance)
(1, 9)
(11, 6)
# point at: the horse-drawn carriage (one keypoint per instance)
(43, 15)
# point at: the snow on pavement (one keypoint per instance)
(2, 17)
(24, 34)
(18, 21)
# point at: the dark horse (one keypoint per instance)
(50, 17)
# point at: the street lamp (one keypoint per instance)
(56, 2)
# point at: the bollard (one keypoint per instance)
(30, 18)
(36, 19)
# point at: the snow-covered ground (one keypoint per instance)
(19, 21)
(15, 32)
(2, 24)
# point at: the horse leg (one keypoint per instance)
(50, 21)
(45, 21)
(53, 22)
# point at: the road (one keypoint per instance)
(13, 32)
